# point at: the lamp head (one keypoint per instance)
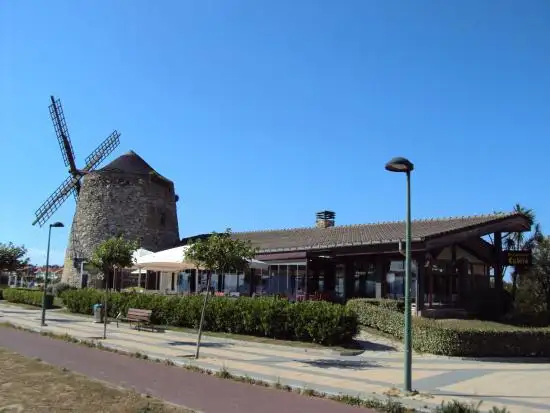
(57, 225)
(399, 164)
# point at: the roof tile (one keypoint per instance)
(363, 234)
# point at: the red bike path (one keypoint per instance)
(196, 391)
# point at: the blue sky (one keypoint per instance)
(264, 112)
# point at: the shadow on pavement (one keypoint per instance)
(194, 343)
(341, 364)
(64, 320)
(14, 312)
(371, 346)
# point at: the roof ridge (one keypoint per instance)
(442, 219)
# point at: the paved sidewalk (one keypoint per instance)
(194, 391)
(520, 386)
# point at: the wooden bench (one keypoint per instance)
(141, 318)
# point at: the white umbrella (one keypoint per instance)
(173, 259)
(140, 252)
(170, 260)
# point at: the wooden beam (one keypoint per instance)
(509, 224)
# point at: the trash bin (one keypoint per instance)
(98, 313)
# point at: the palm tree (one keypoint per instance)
(522, 241)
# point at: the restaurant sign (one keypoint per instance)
(518, 258)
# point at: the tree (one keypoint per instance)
(522, 241)
(116, 252)
(535, 283)
(218, 253)
(518, 241)
(12, 257)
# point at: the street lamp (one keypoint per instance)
(404, 165)
(54, 225)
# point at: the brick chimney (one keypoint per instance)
(324, 219)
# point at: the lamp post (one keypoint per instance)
(54, 225)
(404, 165)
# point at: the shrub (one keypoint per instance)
(466, 338)
(455, 406)
(527, 319)
(27, 296)
(394, 305)
(489, 304)
(313, 321)
(60, 287)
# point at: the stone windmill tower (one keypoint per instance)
(125, 197)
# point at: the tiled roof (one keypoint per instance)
(364, 234)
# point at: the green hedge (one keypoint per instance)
(394, 305)
(311, 321)
(27, 296)
(466, 338)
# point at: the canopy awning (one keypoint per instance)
(173, 260)
(258, 265)
(140, 252)
(170, 260)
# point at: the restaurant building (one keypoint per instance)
(453, 259)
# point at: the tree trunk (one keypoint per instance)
(105, 313)
(105, 309)
(209, 276)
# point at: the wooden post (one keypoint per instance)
(430, 275)
(498, 260)
(420, 281)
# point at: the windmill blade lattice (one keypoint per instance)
(62, 132)
(72, 183)
(52, 204)
(102, 151)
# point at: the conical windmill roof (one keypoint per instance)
(130, 163)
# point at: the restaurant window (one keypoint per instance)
(395, 279)
(301, 280)
(339, 285)
(364, 279)
(262, 287)
(292, 275)
(231, 282)
(282, 282)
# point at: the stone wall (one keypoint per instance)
(140, 207)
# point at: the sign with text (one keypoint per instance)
(517, 258)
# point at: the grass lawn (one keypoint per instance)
(28, 385)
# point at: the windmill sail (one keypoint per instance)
(62, 133)
(102, 151)
(52, 204)
(72, 183)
